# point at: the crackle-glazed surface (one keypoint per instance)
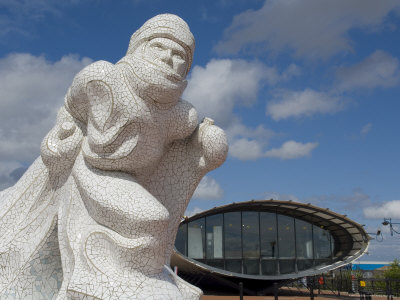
(95, 217)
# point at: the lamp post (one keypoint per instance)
(378, 235)
(390, 223)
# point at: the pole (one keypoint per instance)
(241, 290)
(276, 290)
(312, 288)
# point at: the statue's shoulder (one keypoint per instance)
(183, 105)
(98, 70)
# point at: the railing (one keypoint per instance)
(363, 288)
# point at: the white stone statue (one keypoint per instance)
(95, 217)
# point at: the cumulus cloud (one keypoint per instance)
(32, 90)
(389, 209)
(308, 102)
(292, 150)
(216, 88)
(208, 189)
(247, 143)
(311, 28)
(380, 69)
(246, 149)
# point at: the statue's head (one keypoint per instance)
(164, 47)
(165, 31)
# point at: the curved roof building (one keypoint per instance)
(260, 242)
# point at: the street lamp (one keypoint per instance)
(390, 223)
(378, 235)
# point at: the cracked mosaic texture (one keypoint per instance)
(95, 217)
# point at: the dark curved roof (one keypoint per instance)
(352, 239)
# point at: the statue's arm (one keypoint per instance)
(63, 143)
(186, 162)
(182, 121)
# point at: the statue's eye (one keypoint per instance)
(157, 47)
(179, 56)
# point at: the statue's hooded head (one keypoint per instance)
(163, 51)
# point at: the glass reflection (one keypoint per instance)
(269, 267)
(251, 266)
(233, 265)
(304, 240)
(214, 236)
(268, 235)
(233, 235)
(196, 235)
(251, 235)
(322, 243)
(286, 244)
(181, 239)
(286, 266)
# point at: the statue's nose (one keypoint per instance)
(167, 57)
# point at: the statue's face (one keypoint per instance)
(160, 65)
(168, 55)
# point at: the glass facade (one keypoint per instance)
(256, 243)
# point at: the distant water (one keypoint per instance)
(368, 266)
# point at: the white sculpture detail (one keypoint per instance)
(95, 217)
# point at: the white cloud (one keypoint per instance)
(380, 69)
(279, 196)
(292, 150)
(366, 128)
(246, 149)
(208, 189)
(215, 89)
(312, 28)
(194, 211)
(389, 209)
(288, 104)
(247, 143)
(32, 90)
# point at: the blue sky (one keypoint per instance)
(307, 91)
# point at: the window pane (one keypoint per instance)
(251, 236)
(286, 236)
(233, 265)
(196, 235)
(304, 243)
(214, 236)
(322, 243)
(322, 262)
(269, 267)
(286, 266)
(251, 266)
(181, 239)
(233, 239)
(268, 234)
(216, 263)
(304, 264)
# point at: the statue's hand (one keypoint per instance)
(62, 144)
(212, 143)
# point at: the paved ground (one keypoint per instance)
(289, 297)
(264, 298)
